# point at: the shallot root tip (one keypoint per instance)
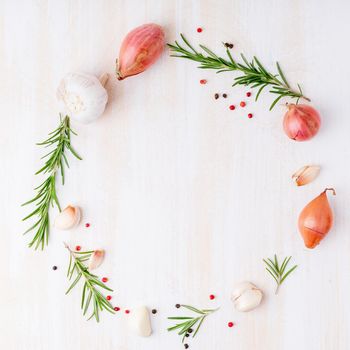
(330, 189)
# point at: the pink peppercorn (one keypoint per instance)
(232, 107)
(199, 30)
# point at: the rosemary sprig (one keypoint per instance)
(91, 293)
(253, 73)
(187, 324)
(278, 272)
(46, 195)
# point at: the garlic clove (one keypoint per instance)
(67, 218)
(82, 96)
(96, 259)
(306, 174)
(246, 296)
(139, 322)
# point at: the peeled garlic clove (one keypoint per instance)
(306, 174)
(82, 97)
(67, 218)
(139, 322)
(96, 259)
(246, 296)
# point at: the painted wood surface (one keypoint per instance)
(185, 195)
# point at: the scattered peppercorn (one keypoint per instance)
(224, 95)
(154, 311)
(187, 335)
(87, 225)
(230, 324)
(242, 104)
(190, 330)
(186, 346)
(249, 94)
(177, 306)
(104, 279)
(202, 81)
(127, 311)
(216, 96)
(229, 46)
(199, 30)
(78, 247)
(54, 267)
(117, 308)
(232, 107)
(211, 296)
(250, 115)
(108, 297)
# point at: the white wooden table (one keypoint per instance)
(185, 195)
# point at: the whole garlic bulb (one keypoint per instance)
(82, 96)
(67, 218)
(246, 296)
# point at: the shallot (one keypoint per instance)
(301, 122)
(140, 49)
(316, 219)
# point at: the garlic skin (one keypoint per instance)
(139, 322)
(96, 259)
(82, 97)
(68, 218)
(246, 296)
(306, 174)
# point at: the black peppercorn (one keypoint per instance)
(187, 335)
(190, 330)
(54, 267)
(154, 311)
(216, 96)
(177, 306)
(224, 95)
(186, 346)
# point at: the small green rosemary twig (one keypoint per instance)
(278, 272)
(46, 195)
(90, 293)
(185, 327)
(253, 73)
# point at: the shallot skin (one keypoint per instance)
(140, 49)
(301, 122)
(316, 220)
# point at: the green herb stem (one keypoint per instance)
(253, 75)
(91, 293)
(277, 271)
(46, 195)
(186, 324)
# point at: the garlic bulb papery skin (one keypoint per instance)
(82, 96)
(68, 218)
(246, 296)
(139, 322)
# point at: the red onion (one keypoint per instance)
(301, 122)
(140, 49)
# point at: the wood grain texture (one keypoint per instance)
(186, 196)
